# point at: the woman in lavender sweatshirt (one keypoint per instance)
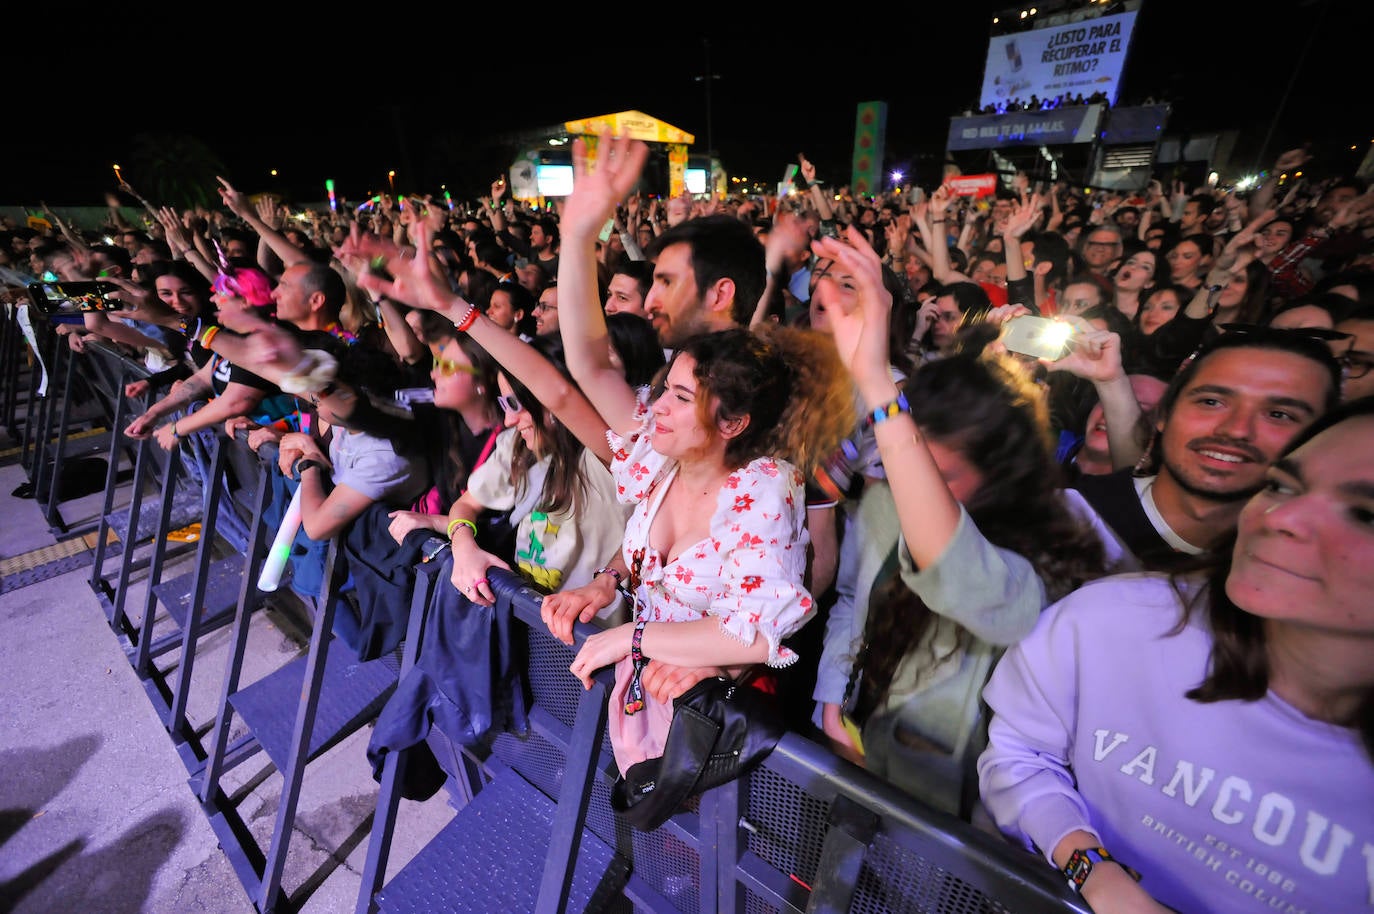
(1215, 734)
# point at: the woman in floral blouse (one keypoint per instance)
(715, 550)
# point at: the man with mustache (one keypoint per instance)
(1228, 412)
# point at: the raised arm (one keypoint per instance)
(787, 237)
(1024, 215)
(414, 284)
(929, 514)
(1095, 355)
(182, 244)
(582, 321)
(814, 189)
(238, 204)
(936, 238)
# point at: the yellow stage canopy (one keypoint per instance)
(635, 124)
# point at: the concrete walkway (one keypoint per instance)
(95, 811)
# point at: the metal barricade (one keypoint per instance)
(806, 831)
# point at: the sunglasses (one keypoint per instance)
(1263, 332)
(509, 405)
(448, 367)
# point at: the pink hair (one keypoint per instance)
(249, 283)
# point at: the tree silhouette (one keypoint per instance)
(174, 169)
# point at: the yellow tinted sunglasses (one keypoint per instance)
(448, 367)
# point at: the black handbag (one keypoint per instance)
(721, 729)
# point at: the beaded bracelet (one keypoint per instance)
(612, 572)
(457, 522)
(887, 411)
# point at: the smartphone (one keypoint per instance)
(1041, 337)
(82, 296)
(605, 233)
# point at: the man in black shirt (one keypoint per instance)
(1226, 416)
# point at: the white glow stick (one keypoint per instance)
(280, 552)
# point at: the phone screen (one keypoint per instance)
(1040, 337)
(83, 296)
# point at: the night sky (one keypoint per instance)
(429, 93)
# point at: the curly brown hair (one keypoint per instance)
(789, 382)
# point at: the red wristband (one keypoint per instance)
(469, 318)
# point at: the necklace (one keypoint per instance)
(340, 333)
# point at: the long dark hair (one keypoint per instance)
(1238, 663)
(564, 485)
(988, 409)
(636, 343)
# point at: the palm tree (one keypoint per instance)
(174, 170)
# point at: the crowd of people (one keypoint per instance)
(1036, 103)
(1103, 584)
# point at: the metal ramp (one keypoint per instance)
(293, 715)
(352, 692)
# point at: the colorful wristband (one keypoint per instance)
(888, 410)
(457, 522)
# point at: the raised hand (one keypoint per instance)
(1023, 217)
(1094, 355)
(236, 202)
(789, 235)
(1246, 236)
(412, 281)
(269, 212)
(940, 201)
(1353, 213)
(596, 192)
(861, 336)
(177, 235)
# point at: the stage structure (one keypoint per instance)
(1051, 84)
(543, 169)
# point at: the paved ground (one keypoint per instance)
(95, 811)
